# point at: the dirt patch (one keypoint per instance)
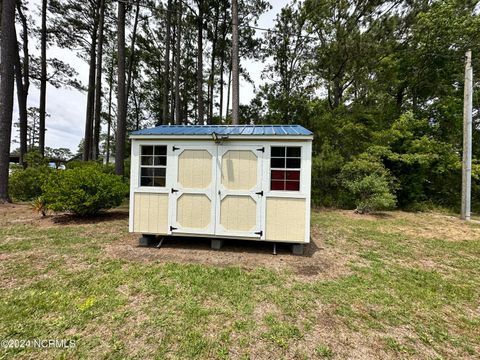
(15, 213)
(318, 260)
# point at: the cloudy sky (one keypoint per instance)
(65, 126)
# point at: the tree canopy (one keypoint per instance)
(380, 83)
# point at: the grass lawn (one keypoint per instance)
(398, 285)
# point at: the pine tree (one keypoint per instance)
(7, 64)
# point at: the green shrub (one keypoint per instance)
(370, 184)
(26, 184)
(84, 191)
(107, 169)
(35, 159)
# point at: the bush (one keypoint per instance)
(370, 184)
(26, 184)
(84, 191)
(107, 169)
(35, 159)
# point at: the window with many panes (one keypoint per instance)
(285, 168)
(153, 165)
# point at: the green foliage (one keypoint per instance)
(76, 164)
(33, 158)
(325, 167)
(369, 183)
(384, 81)
(324, 351)
(26, 184)
(84, 191)
(427, 169)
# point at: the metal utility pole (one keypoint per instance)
(467, 138)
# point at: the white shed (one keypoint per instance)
(222, 181)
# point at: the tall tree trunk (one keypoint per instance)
(98, 84)
(166, 76)
(7, 80)
(131, 56)
(172, 79)
(159, 73)
(22, 105)
(222, 59)
(220, 83)
(178, 119)
(200, 106)
(43, 77)
(109, 119)
(23, 83)
(337, 93)
(211, 81)
(88, 140)
(228, 89)
(184, 103)
(121, 103)
(235, 64)
(137, 107)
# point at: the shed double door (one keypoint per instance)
(217, 190)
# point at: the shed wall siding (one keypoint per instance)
(285, 219)
(151, 213)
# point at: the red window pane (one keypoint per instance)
(292, 185)
(293, 175)
(278, 174)
(277, 185)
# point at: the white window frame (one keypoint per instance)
(140, 166)
(285, 169)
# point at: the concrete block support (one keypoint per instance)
(217, 244)
(297, 249)
(146, 240)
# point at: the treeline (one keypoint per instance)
(379, 82)
(150, 63)
(381, 85)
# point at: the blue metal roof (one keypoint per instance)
(243, 130)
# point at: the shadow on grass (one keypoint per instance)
(71, 219)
